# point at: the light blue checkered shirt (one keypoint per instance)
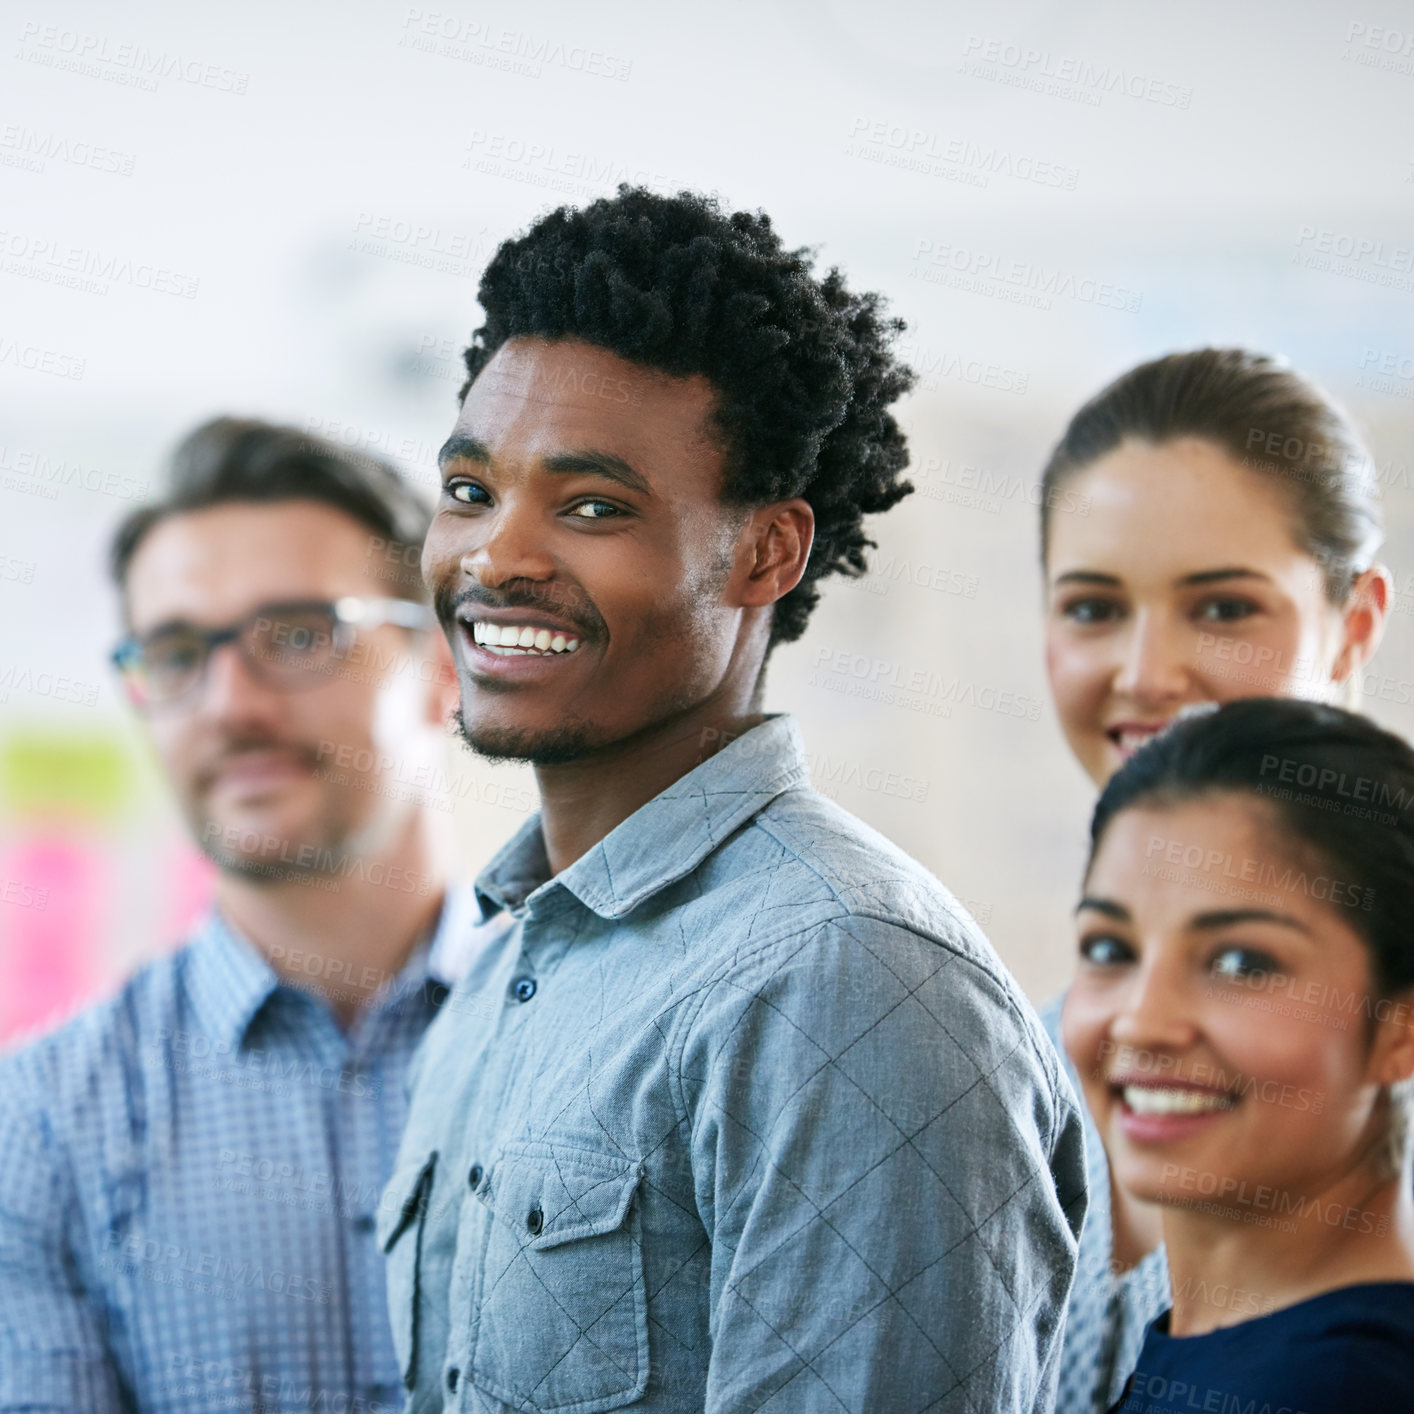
(189, 1183)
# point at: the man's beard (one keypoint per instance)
(347, 826)
(323, 849)
(557, 746)
(275, 862)
(573, 738)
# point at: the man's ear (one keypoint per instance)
(773, 552)
(443, 690)
(1363, 621)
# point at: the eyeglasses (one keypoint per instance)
(289, 645)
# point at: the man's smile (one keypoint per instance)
(514, 644)
(523, 638)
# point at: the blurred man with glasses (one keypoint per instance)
(190, 1173)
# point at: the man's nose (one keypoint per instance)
(231, 689)
(511, 544)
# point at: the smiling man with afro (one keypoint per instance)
(802, 368)
(740, 1110)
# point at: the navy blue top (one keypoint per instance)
(1345, 1350)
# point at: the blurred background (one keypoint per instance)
(282, 211)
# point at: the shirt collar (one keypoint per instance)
(230, 981)
(665, 839)
(455, 941)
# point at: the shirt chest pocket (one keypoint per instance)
(559, 1316)
(402, 1216)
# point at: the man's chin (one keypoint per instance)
(550, 746)
(265, 850)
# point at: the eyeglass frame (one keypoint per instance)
(350, 612)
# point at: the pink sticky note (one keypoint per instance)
(56, 892)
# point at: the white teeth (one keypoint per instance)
(506, 640)
(1146, 1101)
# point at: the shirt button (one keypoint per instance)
(534, 1220)
(453, 1376)
(364, 1222)
(523, 988)
(473, 1177)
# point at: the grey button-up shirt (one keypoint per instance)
(742, 1113)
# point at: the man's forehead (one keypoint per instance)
(217, 563)
(586, 377)
(569, 382)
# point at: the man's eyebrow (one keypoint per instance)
(171, 625)
(604, 464)
(459, 445)
(1086, 577)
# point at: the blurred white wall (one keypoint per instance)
(282, 210)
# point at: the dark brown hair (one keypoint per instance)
(1264, 416)
(232, 459)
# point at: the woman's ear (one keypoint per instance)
(1363, 621)
(1393, 1056)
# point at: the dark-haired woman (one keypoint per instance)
(1217, 541)
(1243, 1022)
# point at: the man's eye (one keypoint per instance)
(1105, 950)
(1237, 964)
(1226, 611)
(594, 510)
(468, 493)
(1092, 611)
(173, 655)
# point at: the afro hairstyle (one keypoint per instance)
(803, 369)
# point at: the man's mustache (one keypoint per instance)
(233, 748)
(582, 615)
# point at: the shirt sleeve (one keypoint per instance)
(53, 1357)
(891, 1175)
